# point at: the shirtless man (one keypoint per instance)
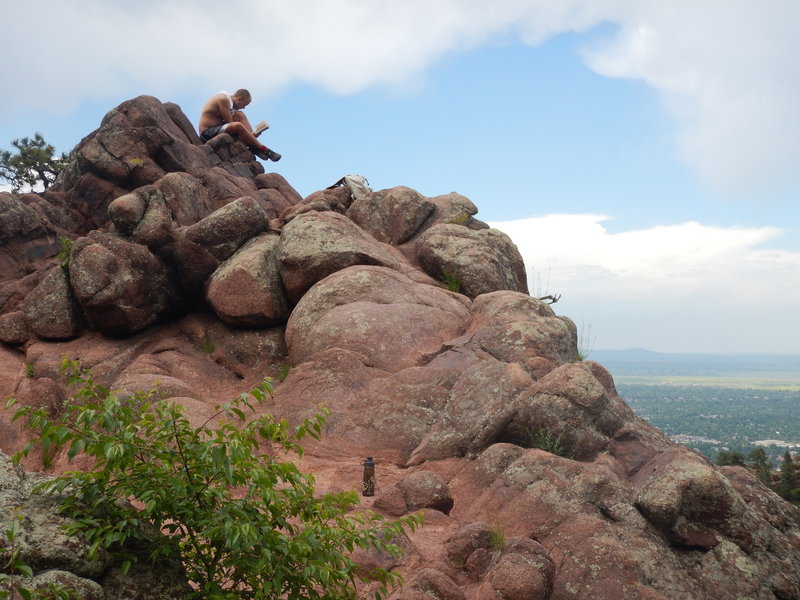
(225, 113)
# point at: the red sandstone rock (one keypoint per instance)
(393, 216)
(479, 261)
(247, 290)
(377, 311)
(121, 287)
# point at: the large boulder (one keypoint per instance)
(14, 328)
(17, 218)
(247, 290)
(567, 409)
(691, 502)
(479, 406)
(513, 327)
(425, 489)
(336, 199)
(30, 226)
(476, 261)
(374, 410)
(143, 217)
(279, 194)
(122, 287)
(200, 248)
(316, 244)
(520, 570)
(225, 230)
(393, 216)
(377, 312)
(138, 143)
(186, 198)
(456, 209)
(50, 309)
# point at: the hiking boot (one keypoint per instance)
(260, 128)
(273, 156)
(267, 155)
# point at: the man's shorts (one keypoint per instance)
(210, 132)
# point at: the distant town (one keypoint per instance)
(713, 403)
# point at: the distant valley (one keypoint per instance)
(713, 402)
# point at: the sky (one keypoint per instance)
(643, 155)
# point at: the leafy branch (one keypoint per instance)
(219, 497)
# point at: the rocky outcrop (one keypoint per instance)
(50, 309)
(478, 262)
(378, 312)
(247, 289)
(195, 272)
(57, 558)
(30, 228)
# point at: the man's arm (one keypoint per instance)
(224, 108)
(216, 111)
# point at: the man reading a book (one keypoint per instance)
(223, 112)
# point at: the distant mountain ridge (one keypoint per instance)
(639, 361)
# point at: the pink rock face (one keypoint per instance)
(195, 273)
(122, 287)
(377, 312)
(316, 244)
(246, 290)
(50, 310)
(479, 261)
(393, 216)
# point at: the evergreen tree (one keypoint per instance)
(33, 164)
(787, 488)
(727, 458)
(758, 461)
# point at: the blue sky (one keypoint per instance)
(642, 155)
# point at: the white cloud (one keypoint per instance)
(725, 68)
(684, 287)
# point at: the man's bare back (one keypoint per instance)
(217, 110)
(225, 113)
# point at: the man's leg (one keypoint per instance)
(244, 133)
(240, 117)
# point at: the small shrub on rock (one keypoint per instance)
(65, 249)
(544, 439)
(451, 281)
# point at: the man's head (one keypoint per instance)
(241, 98)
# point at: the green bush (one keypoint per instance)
(545, 440)
(497, 538)
(64, 252)
(244, 522)
(451, 280)
(207, 345)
